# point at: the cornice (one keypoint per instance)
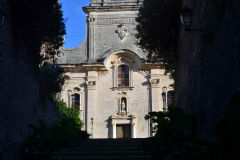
(110, 8)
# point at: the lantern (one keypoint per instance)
(186, 17)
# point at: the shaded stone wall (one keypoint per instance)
(208, 61)
(19, 103)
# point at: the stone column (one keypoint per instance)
(114, 130)
(133, 130)
(133, 127)
(91, 102)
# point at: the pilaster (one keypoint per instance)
(133, 129)
(155, 90)
(91, 84)
(91, 29)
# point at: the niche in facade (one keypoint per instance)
(123, 105)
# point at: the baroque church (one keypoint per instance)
(110, 79)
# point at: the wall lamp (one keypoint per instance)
(187, 19)
(164, 97)
(2, 19)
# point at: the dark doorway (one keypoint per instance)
(123, 131)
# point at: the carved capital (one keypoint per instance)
(155, 82)
(91, 20)
(91, 84)
(113, 123)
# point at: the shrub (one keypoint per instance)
(64, 133)
(172, 129)
(175, 137)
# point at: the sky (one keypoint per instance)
(75, 21)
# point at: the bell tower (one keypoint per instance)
(110, 27)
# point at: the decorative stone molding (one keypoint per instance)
(155, 82)
(122, 88)
(69, 92)
(124, 60)
(122, 93)
(114, 118)
(91, 20)
(91, 84)
(144, 72)
(122, 31)
(76, 89)
(102, 73)
(113, 123)
(104, 21)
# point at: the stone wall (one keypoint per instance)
(19, 105)
(208, 61)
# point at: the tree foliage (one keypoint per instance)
(35, 22)
(157, 30)
(51, 80)
(176, 137)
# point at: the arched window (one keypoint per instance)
(76, 101)
(123, 76)
(170, 97)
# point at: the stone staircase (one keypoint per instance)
(104, 149)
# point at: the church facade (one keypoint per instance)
(110, 79)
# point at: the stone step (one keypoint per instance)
(104, 149)
(116, 152)
(146, 157)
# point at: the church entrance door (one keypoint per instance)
(123, 131)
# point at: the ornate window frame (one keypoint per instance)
(122, 60)
(71, 92)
